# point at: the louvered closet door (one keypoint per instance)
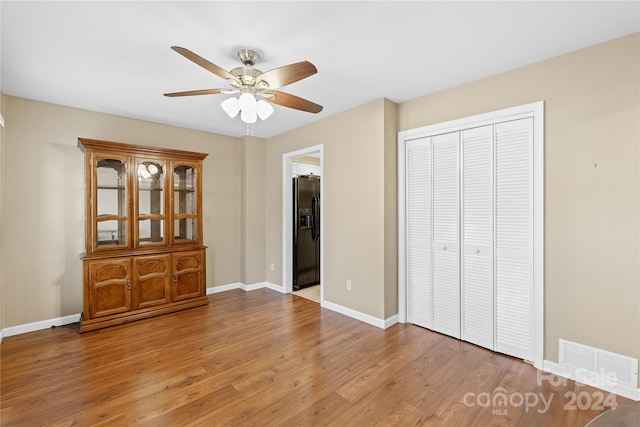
(477, 236)
(446, 285)
(514, 237)
(418, 208)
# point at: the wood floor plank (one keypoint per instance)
(262, 358)
(402, 415)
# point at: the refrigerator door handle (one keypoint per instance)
(315, 214)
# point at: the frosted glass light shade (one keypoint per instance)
(249, 116)
(248, 107)
(264, 109)
(231, 106)
(247, 102)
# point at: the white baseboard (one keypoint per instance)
(380, 323)
(391, 321)
(224, 288)
(73, 318)
(259, 285)
(363, 317)
(274, 287)
(247, 288)
(581, 376)
(42, 324)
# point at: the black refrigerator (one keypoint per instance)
(306, 231)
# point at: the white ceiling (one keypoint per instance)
(115, 57)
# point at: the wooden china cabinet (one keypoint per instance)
(144, 253)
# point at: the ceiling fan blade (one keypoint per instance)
(292, 101)
(209, 66)
(197, 92)
(288, 74)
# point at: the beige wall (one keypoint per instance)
(252, 195)
(353, 201)
(43, 203)
(592, 214)
(390, 134)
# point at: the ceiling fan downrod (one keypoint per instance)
(248, 57)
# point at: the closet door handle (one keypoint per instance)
(128, 284)
(444, 248)
(175, 277)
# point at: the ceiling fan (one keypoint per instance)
(254, 86)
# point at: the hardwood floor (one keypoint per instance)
(262, 358)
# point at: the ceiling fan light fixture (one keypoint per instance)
(231, 106)
(247, 102)
(264, 109)
(249, 116)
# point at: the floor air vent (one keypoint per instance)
(598, 365)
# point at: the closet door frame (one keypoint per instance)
(534, 110)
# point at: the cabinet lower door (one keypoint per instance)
(188, 275)
(109, 286)
(153, 280)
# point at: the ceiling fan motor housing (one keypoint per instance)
(246, 75)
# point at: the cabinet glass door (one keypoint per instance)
(150, 209)
(185, 203)
(111, 200)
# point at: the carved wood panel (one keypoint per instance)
(153, 278)
(188, 271)
(111, 287)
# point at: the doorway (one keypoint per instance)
(288, 165)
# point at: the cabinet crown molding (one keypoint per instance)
(98, 145)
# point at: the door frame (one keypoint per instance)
(535, 110)
(287, 216)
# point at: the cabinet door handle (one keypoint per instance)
(128, 284)
(175, 277)
(477, 251)
(444, 248)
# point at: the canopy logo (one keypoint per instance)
(500, 400)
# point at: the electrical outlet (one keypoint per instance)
(272, 266)
(348, 285)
